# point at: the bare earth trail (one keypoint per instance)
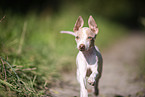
(119, 71)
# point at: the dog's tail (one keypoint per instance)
(68, 32)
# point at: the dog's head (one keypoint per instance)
(84, 36)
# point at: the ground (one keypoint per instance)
(119, 77)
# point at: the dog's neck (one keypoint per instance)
(90, 55)
(89, 52)
(91, 49)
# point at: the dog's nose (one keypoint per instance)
(82, 47)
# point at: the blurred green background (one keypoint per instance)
(32, 48)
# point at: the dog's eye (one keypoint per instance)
(89, 37)
(77, 37)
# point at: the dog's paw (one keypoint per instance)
(91, 81)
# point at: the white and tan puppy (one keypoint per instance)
(89, 59)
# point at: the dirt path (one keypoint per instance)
(119, 71)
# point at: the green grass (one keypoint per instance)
(38, 53)
(142, 67)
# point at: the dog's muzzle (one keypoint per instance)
(82, 47)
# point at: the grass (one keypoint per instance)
(17, 81)
(34, 54)
(142, 67)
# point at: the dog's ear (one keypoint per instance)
(93, 25)
(79, 23)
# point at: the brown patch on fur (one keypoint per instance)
(89, 72)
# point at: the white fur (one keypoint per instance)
(83, 39)
(85, 60)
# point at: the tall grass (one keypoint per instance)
(32, 48)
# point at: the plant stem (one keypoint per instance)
(22, 38)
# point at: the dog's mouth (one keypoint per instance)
(82, 47)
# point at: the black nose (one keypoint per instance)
(82, 47)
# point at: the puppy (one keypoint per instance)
(89, 60)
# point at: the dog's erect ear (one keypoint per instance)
(93, 25)
(79, 23)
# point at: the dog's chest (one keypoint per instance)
(89, 59)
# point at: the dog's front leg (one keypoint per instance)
(81, 76)
(83, 89)
(92, 77)
(82, 80)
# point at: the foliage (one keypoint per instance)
(17, 81)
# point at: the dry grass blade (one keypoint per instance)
(2, 19)
(6, 83)
(10, 67)
(22, 38)
(4, 69)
